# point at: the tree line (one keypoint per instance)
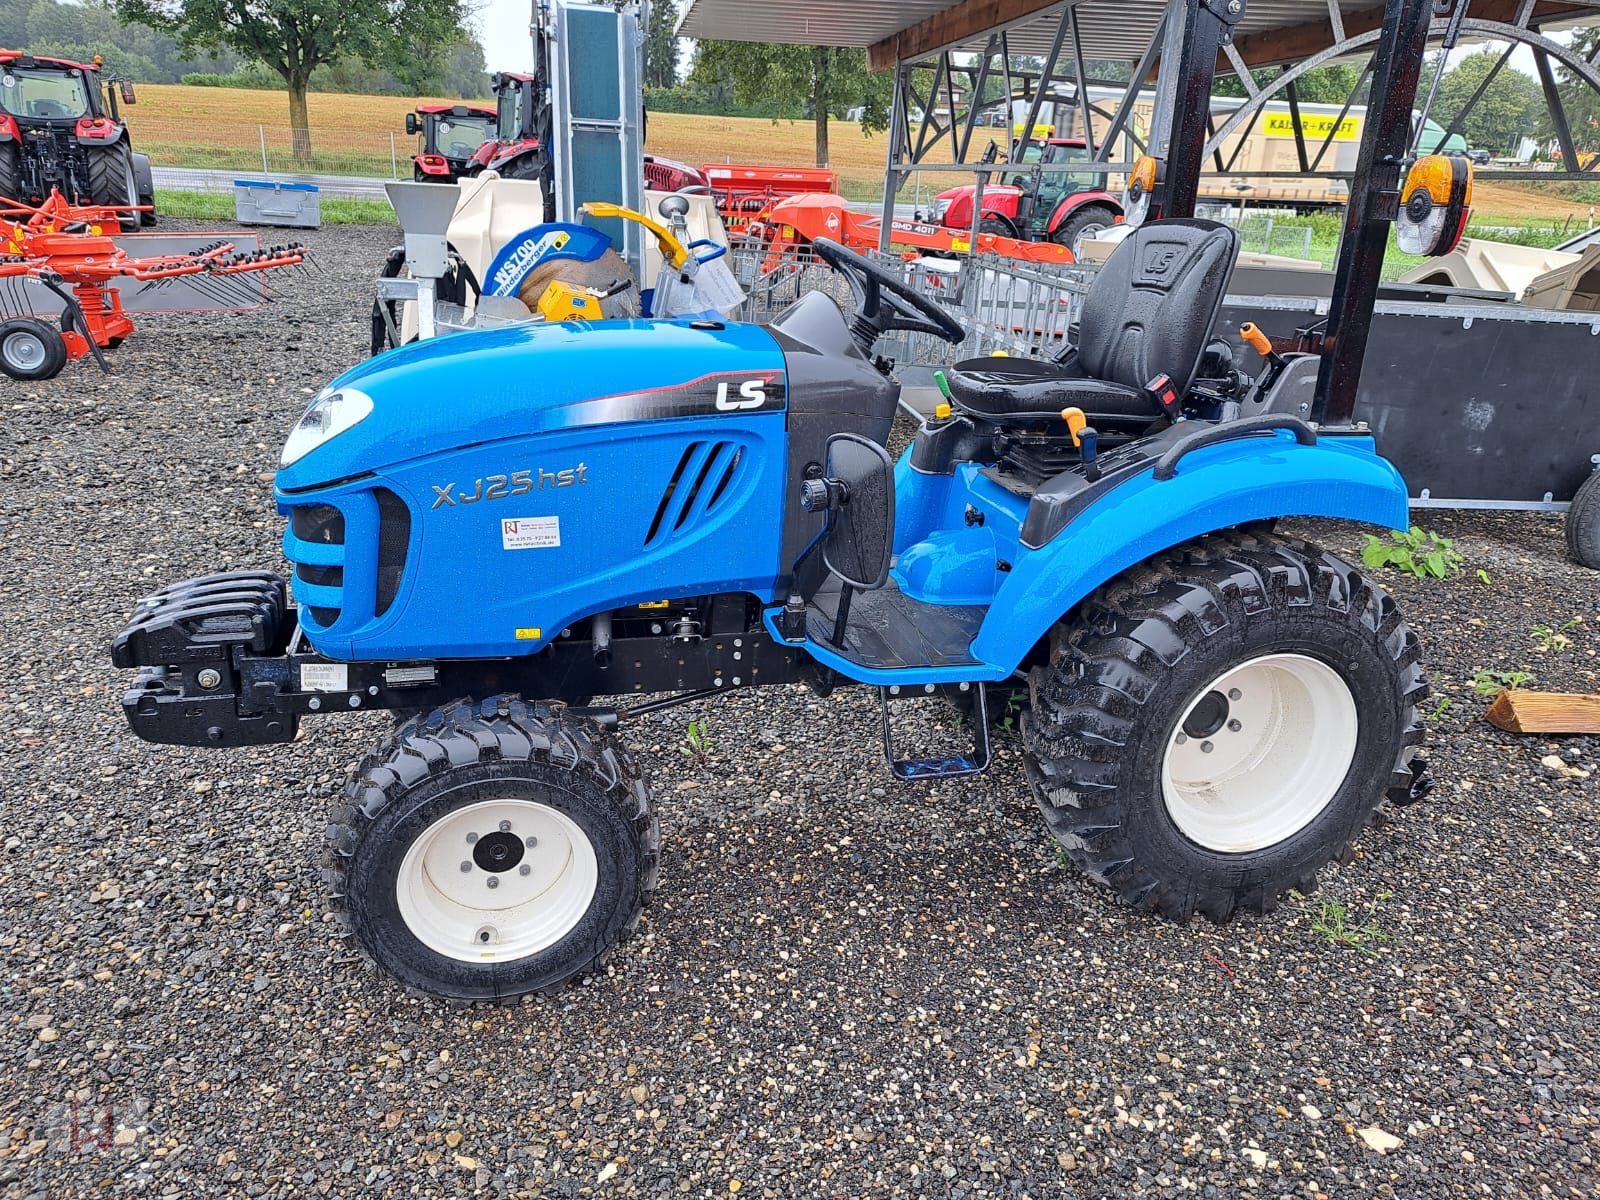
(168, 48)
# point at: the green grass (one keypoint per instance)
(218, 206)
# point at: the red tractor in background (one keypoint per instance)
(61, 128)
(1037, 206)
(451, 135)
(517, 149)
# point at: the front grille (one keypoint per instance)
(314, 531)
(318, 523)
(349, 556)
(394, 535)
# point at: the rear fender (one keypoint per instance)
(1215, 488)
(1078, 200)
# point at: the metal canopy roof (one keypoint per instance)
(1112, 29)
(1118, 30)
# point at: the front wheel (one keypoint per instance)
(493, 851)
(1082, 226)
(1218, 725)
(30, 349)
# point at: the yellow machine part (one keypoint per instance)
(562, 301)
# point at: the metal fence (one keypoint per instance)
(208, 155)
(1022, 310)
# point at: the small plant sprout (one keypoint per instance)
(696, 745)
(1354, 929)
(1553, 639)
(1439, 709)
(1422, 553)
(1491, 683)
(1484, 578)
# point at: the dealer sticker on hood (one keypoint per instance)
(530, 533)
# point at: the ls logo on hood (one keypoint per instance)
(752, 394)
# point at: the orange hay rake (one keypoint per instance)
(65, 249)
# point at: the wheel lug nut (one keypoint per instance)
(465, 867)
(530, 841)
(494, 881)
(1234, 693)
(471, 837)
(1182, 738)
(525, 869)
(1206, 747)
(1235, 726)
(505, 826)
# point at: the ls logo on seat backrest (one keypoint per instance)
(1159, 259)
(753, 394)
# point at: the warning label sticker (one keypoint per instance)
(324, 677)
(530, 533)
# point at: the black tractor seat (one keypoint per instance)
(1021, 391)
(1148, 314)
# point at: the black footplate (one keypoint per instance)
(188, 641)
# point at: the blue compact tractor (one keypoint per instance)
(490, 530)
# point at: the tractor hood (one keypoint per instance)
(471, 388)
(991, 191)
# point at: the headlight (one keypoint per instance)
(940, 207)
(326, 417)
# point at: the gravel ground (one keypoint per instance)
(845, 987)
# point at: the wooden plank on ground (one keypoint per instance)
(1521, 711)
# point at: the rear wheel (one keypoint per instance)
(30, 349)
(112, 182)
(11, 171)
(1217, 725)
(492, 851)
(1583, 524)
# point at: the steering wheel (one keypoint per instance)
(883, 301)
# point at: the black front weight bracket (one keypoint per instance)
(220, 665)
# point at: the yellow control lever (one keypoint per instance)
(1076, 423)
(1252, 336)
(674, 251)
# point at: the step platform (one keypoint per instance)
(887, 630)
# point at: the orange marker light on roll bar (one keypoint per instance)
(1435, 202)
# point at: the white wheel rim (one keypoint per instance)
(1285, 742)
(1087, 234)
(25, 351)
(462, 915)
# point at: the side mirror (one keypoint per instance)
(858, 486)
(991, 152)
(1435, 203)
(125, 87)
(411, 122)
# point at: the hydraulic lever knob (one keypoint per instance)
(1089, 441)
(1251, 335)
